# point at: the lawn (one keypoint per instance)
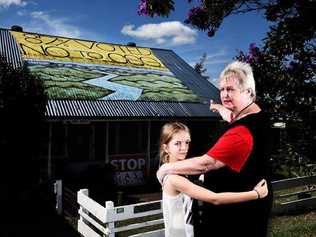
(300, 225)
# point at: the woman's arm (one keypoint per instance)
(181, 184)
(195, 165)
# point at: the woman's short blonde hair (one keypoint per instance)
(243, 72)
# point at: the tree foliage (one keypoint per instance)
(21, 94)
(155, 7)
(206, 16)
(284, 66)
(199, 66)
(22, 108)
(284, 70)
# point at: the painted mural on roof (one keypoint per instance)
(78, 69)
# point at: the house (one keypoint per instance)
(107, 102)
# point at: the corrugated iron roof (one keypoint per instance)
(105, 109)
(9, 49)
(188, 75)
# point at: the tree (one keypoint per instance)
(289, 97)
(22, 109)
(284, 67)
(199, 66)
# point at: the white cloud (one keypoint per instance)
(219, 57)
(217, 54)
(7, 3)
(21, 13)
(170, 33)
(217, 61)
(44, 23)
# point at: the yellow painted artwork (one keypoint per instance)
(45, 47)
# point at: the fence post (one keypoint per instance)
(58, 190)
(110, 225)
(85, 192)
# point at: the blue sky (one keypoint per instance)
(117, 21)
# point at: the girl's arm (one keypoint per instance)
(181, 184)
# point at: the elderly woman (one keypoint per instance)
(236, 161)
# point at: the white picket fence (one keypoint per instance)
(98, 221)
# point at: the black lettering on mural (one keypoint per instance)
(56, 47)
(115, 58)
(150, 62)
(52, 41)
(105, 47)
(36, 39)
(144, 51)
(39, 50)
(84, 45)
(123, 49)
(90, 55)
(57, 40)
(134, 60)
(33, 39)
(50, 50)
(63, 42)
(82, 53)
(134, 50)
(86, 55)
(129, 50)
(95, 55)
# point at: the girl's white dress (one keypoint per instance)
(177, 215)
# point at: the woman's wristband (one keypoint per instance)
(258, 195)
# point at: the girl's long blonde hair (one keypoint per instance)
(166, 134)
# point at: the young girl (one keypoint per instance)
(178, 190)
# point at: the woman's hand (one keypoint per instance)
(214, 107)
(162, 172)
(261, 189)
(224, 112)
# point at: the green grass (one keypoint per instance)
(301, 225)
